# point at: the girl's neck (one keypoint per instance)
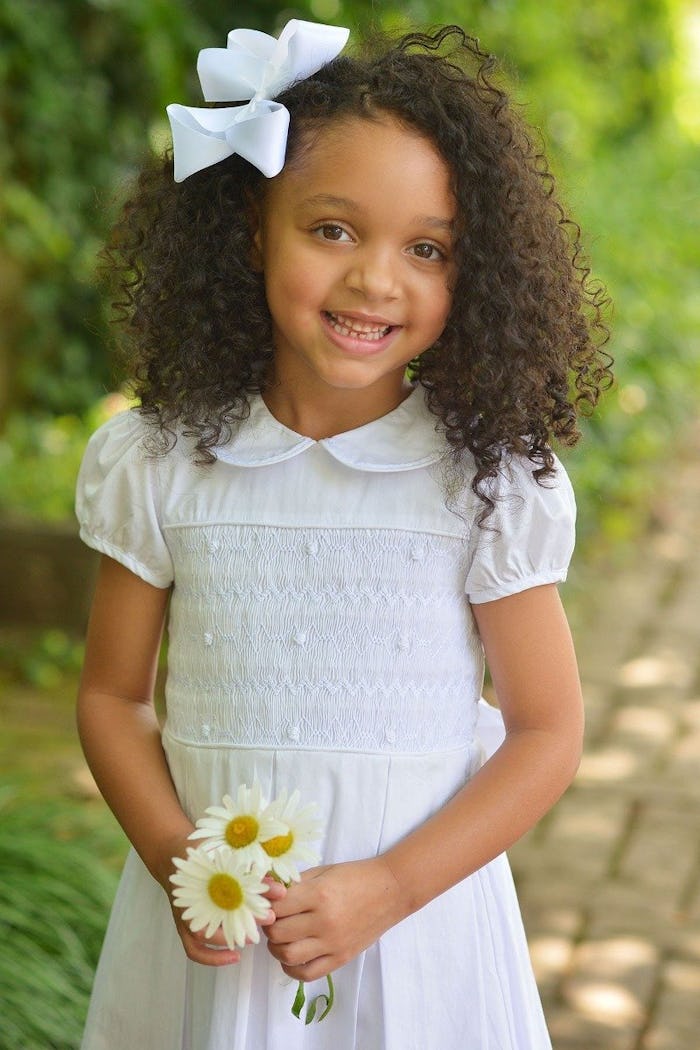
(335, 413)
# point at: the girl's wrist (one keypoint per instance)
(160, 863)
(416, 884)
(401, 902)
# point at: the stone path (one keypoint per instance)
(610, 881)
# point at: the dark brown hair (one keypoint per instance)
(521, 353)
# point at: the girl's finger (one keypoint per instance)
(276, 890)
(209, 953)
(298, 900)
(294, 928)
(299, 953)
(312, 970)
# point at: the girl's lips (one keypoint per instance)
(369, 326)
(358, 336)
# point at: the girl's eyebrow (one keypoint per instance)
(345, 204)
(331, 201)
(435, 222)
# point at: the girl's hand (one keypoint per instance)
(212, 951)
(209, 951)
(333, 914)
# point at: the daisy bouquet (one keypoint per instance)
(220, 883)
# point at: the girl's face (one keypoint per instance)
(355, 242)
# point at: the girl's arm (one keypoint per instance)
(337, 911)
(120, 733)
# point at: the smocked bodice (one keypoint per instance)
(321, 589)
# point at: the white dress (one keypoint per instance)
(321, 638)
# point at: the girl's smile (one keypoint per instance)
(357, 334)
(355, 242)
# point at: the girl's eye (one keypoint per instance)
(428, 251)
(330, 231)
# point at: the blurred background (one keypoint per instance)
(614, 86)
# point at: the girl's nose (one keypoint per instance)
(373, 273)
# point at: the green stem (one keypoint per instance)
(326, 998)
(330, 997)
(299, 1000)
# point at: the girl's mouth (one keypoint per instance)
(351, 326)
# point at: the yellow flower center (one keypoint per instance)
(225, 891)
(279, 845)
(241, 831)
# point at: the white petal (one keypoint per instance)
(196, 921)
(229, 932)
(213, 926)
(251, 927)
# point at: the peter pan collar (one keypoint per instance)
(404, 439)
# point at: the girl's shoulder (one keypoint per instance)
(517, 481)
(130, 440)
(122, 434)
(118, 497)
(529, 537)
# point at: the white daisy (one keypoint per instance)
(302, 827)
(217, 889)
(241, 824)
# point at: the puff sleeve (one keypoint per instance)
(529, 538)
(118, 500)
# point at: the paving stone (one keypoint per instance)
(660, 854)
(626, 911)
(574, 1031)
(584, 834)
(676, 1017)
(610, 984)
(553, 938)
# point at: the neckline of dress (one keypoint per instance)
(406, 438)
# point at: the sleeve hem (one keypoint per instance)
(523, 583)
(129, 562)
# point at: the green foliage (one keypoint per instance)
(84, 85)
(39, 460)
(45, 659)
(647, 248)
(57, 891)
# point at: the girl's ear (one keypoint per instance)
(255, 226)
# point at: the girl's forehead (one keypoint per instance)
(367, 159)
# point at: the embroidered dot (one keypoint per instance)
(417, 553)
(208, 638)
(213, 547)
(311, 548)
(300, 638)
(403, 643)
(390, 736)
(206, 730)
(294, 732)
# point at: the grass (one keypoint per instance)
(58, 884)
(60, 852)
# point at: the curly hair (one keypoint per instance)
(522, 351)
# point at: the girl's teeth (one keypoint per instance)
(359, 329)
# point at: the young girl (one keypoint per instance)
(352, 339)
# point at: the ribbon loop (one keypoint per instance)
(255, 65)
(202, 137)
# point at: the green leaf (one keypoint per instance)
(330, 998)
(311, 1012)
(299, 1000)
(326, 999)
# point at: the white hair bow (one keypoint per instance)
(255, 66)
